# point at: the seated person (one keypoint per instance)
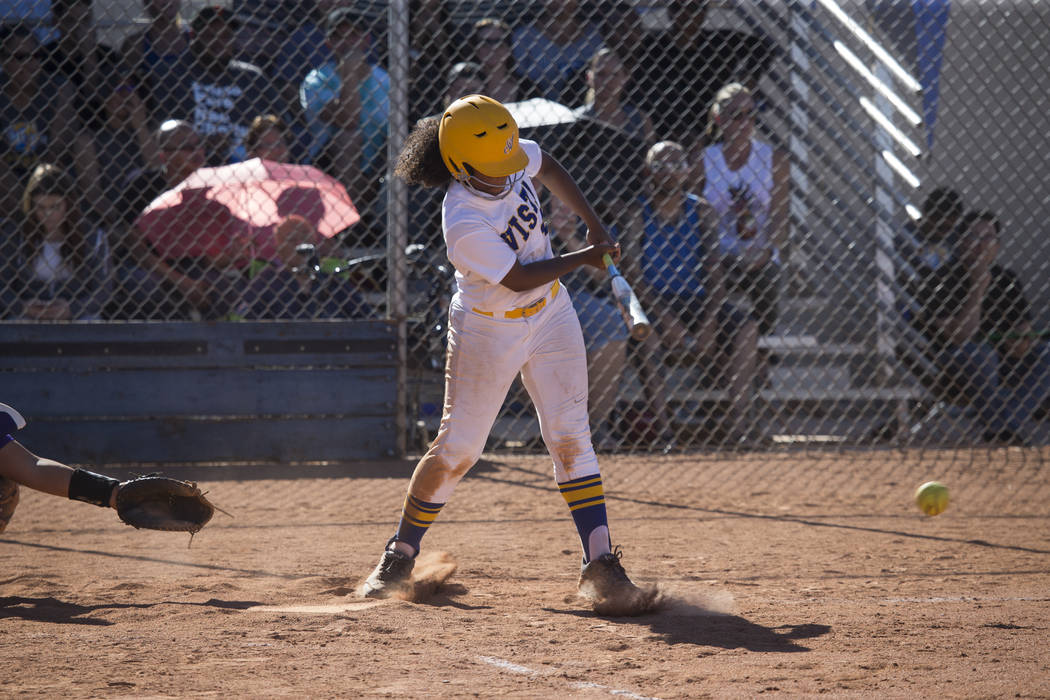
(612, 160)
(464, 78)
(156, 54)
(142, 291)
(124, 142)
(927, 245)
(192, 246)
(60, 264)
(552, 51)
(606, 98)
(79, 58)
(677, 71)
(670, 253)
(980, 326)
(267, 138)
(284, 38)
(216, 93)
(199, 249)
(296, 284)
(747, 181)
(347, 107)
(491, 44)
(38, 119)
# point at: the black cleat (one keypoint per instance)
(392, 576)
(604, 582)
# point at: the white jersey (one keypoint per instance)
(485, 237)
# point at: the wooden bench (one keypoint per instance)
(272, 391)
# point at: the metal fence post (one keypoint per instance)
(397, 205)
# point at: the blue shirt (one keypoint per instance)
(322, 85)
(673, 255)
(553, 66)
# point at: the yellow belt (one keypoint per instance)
(524, 311)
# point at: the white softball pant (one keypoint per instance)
(484, 356)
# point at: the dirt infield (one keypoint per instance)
(794, 575)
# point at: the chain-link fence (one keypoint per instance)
(831, 211)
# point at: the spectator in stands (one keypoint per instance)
(124, 142)
(979, 323)
(267, 138)
(671, 254)
(621, 25)
(554, 48)
(144, 290)
(747, 182)
(32, 13)
(606, 100)
(464, 78)
(59, 265)
(284, 38)
(929, 244)
(79, 58)
(677, 71)
(617, 133)
(218, 94)
(159, 52)
(430, 54)
(491, 45)
(179, 151)
(295, 285)
(38, 120)
(347, 107)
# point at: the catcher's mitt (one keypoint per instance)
(160, 503)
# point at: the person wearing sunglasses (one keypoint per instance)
(149, 287)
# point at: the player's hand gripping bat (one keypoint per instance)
(631, 309)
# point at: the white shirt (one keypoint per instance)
(49, 265)
(753, 184)
(485, 237)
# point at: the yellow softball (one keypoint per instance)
(932, 497)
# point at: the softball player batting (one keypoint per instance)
(509, 314)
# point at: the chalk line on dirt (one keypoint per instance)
(317, 609)
(581, 685)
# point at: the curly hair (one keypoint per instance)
(420, 161)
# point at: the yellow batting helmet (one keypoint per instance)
(481, 132)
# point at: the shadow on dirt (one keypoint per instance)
(153, 560)
(810, 522)
(717, 630)
(734, 632)
(51, 609)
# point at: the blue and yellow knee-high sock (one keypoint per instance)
(416, 517)
(586, 499)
